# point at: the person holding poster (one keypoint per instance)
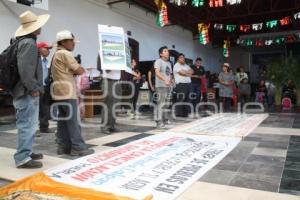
(163, 80)
(111, 87)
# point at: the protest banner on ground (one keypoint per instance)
(162, 165)
(225, 124)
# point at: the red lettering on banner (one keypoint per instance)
(90, 173)
(84, 176)
(111, 154)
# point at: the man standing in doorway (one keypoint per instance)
(195, 93)
(44, 113)
(27, 91)
(163, 81)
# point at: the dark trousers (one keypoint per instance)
(226, 104)
(110, 100)
(182, 96)
(136, 91)
(44, 111)
(68, 130)
(195, 94)
(244, 98)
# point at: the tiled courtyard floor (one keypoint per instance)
(263, 165)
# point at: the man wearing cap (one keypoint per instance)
(27, 91)
(44, 113)
(64, 67)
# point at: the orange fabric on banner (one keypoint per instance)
(40, 186)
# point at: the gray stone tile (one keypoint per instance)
(256, 182)
(218, 177)
(268, 138)
(229, 165)
(290, 184)
(275, 145)
(262, 169)
(290, 165)
(241, 152)
(291, 174)
(291, 192)
(294, 157)
(270, 152)
(257, 159)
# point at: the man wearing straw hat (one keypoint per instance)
(27, 91)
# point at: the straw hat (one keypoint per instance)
(30, 23)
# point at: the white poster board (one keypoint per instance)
(114, 49)
(162, 165)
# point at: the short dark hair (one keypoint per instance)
(161, 49)
(181, 54)
(198, 59)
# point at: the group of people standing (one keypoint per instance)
(31, 95)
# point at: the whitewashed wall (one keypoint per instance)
(82, 17)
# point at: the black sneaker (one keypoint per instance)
(106, 131)
(63, 150)
(36, 156)
(84, 152)
(114, 130)
(32, 164)
(46, 130)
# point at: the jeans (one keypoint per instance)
(195, 94)
(161, 112)
(68, 127)
(27, 115)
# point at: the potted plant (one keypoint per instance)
(283, 69)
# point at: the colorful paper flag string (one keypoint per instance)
(203, 33)
(216, 3)
(226, 47)
(198, 3)
(162, 16)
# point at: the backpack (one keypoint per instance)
(9, 75)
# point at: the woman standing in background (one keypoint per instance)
(226, 80)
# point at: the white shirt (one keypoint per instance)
(113, 74)
(240, 76)
(179, 78)
(45, 66)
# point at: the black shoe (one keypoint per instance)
(62, 150)
(36, 156)
(84, 152)
(114, 130)
(31, 164)
(46, 130)
(106, 131)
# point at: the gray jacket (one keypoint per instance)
(30, 69)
